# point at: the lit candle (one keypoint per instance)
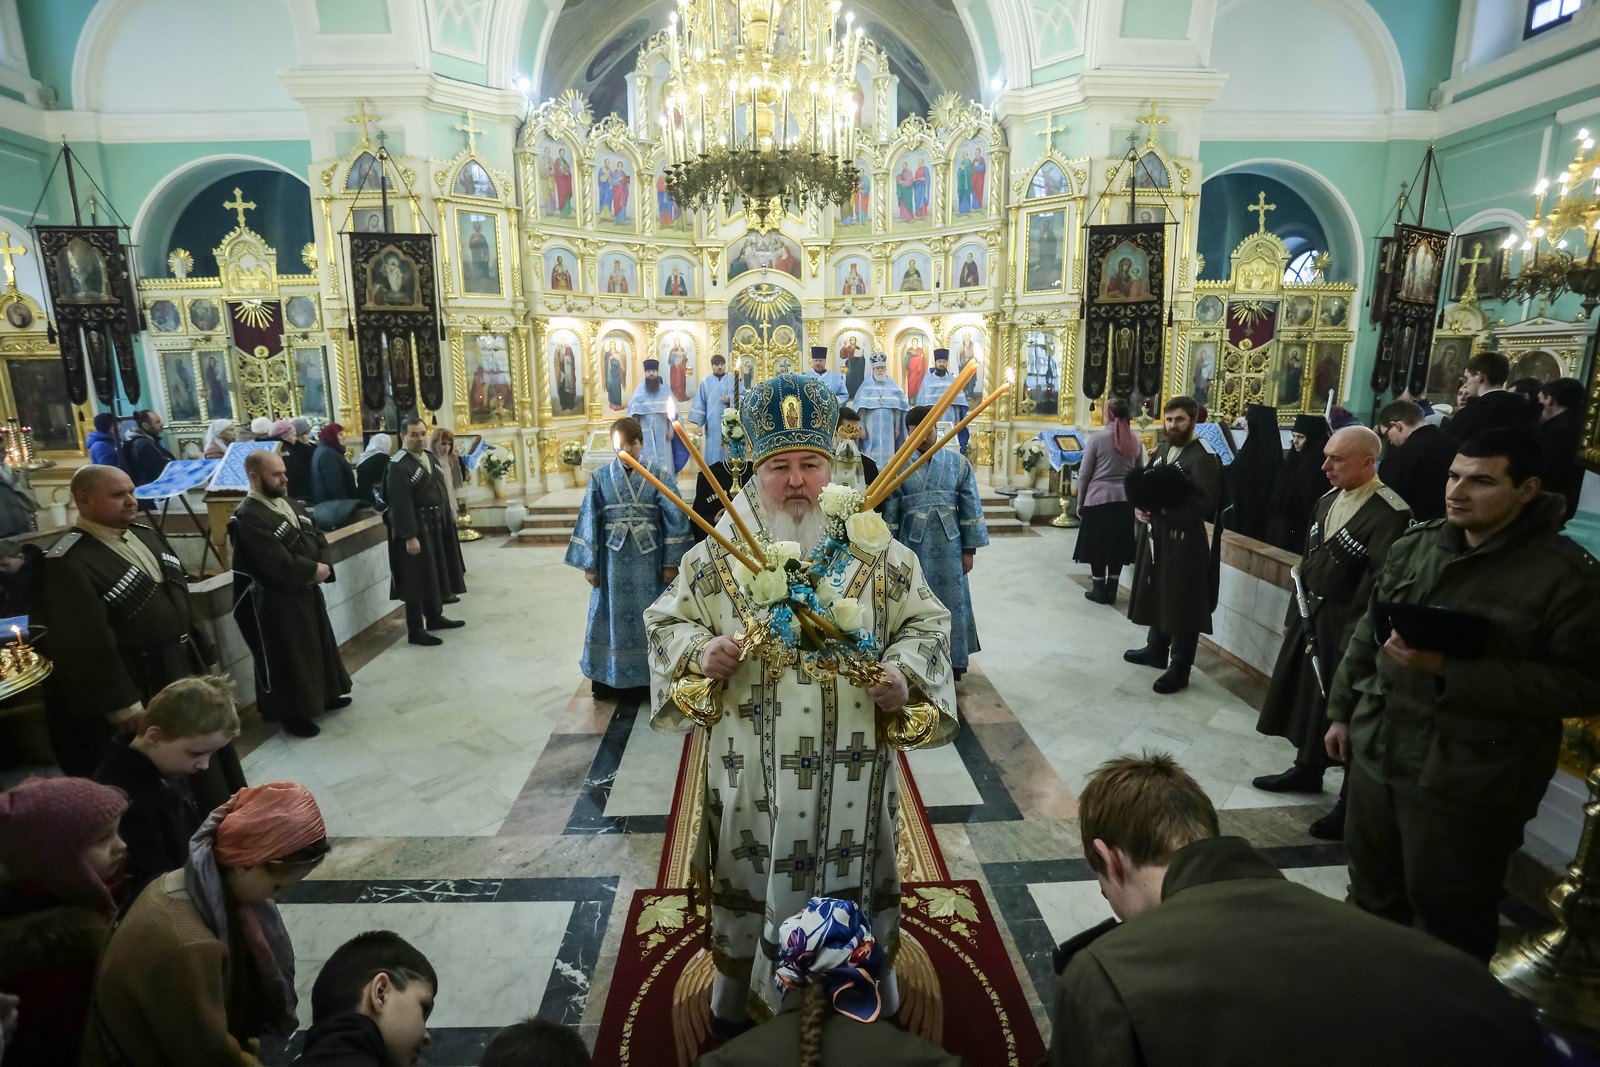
(878, 496)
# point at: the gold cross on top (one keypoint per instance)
(7, 249)
(361, 118)
(239, 205)
(1261, 207)
(1050, 130)
(1151, 120)
(472, 132)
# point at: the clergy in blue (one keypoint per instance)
(628, 541)
(934, 385)
(652, 406)
(831, 378)
(711, 400)
(937, 514)
(882, 406)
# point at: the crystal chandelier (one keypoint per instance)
(761, 104)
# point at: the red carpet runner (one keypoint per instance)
(958, 988)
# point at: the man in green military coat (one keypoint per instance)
(1175, 570)
(424, 560)
(112, 607)
(1450, 751)
(1351, 530)
(279, 568)
(1220, 959)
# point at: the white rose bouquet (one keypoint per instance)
(1031, 454)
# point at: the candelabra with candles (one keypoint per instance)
(20, 666)
(16, 443)
(762, 104)
(1551, 266)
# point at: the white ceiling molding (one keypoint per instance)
(1012, 33)
(1219, 125)
(159, 128)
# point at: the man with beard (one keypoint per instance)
(937, 513)
(830, 378)
(279, 561)
(112, 602)
(1352, 528)
(424, 565)
(1451, 752)
(627, 542)
(651, 407)
(804, 796)
(146, 456)
(883, 410)
(1176, 569)
(713, 397)
(934, 385)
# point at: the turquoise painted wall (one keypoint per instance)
(1424, 33)
(1159, 19)
(352, 16)
(50, 31)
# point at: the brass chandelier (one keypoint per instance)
(1574, 219)
(761, 105)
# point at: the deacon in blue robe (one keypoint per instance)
(934, 385)
(937, 514)
(711, 399)
(651, 405)
(882, 406)
(628, 541)
(831, 378)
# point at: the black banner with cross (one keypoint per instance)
(1413, 267)
(1125, 287)
(396, 302)
(96, 313)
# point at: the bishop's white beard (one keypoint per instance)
(781, 526)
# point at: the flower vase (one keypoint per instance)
(1025, 505)
(569, 477)
(498, 488)
(516, 515)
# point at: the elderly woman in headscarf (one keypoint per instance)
(828, 972)
(62, 859)
(1302, 484)
(1253, 475)
(371, 466)
(201, 968)
(333, 481)
(1105, 538)
(219, 435)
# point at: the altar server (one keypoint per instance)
(882, 406)
(652, 408)
(713, 397)
(937, 514)
(279, 566)
(932, 390)
(628, 541)
(831, 378)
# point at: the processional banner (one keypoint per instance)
(96, 314)
(1126, 275)
(397, 319)
(1414, 268)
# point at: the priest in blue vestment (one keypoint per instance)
(882, 406)
(831, 378)
(934, 385)
(712, 399)
(938, 515)
(628, 541)
(653, 407)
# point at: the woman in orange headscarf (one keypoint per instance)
(201, 966)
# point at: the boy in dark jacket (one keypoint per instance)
(183, 726)
(370, 1005)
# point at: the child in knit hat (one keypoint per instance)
(63, 862)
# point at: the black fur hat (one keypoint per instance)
(1156, 486)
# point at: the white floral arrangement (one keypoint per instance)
(1031, 454)
(732, 428)
(498, 462)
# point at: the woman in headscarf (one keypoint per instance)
(1302, 484)
(827, 956)
(443, 446)
(1254, 473)
(219, 435)
(1105, 538)
(201, 968)
(63, 861)
(333, 481)
(371, 466)
(296, 460)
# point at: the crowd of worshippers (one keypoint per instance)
(138, 929)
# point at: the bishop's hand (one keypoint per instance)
(720, 658)
(892, 693)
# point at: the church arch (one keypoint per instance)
(1261, 46)
(1333, 213)
(156, 218)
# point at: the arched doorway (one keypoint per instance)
(182, 204)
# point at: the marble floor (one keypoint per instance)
(485, 806)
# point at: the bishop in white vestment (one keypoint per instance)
(802, 792)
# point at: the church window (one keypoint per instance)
(1302, 268)
(1548, 14)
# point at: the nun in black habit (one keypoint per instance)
(1302, 484)
(1254, 473)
